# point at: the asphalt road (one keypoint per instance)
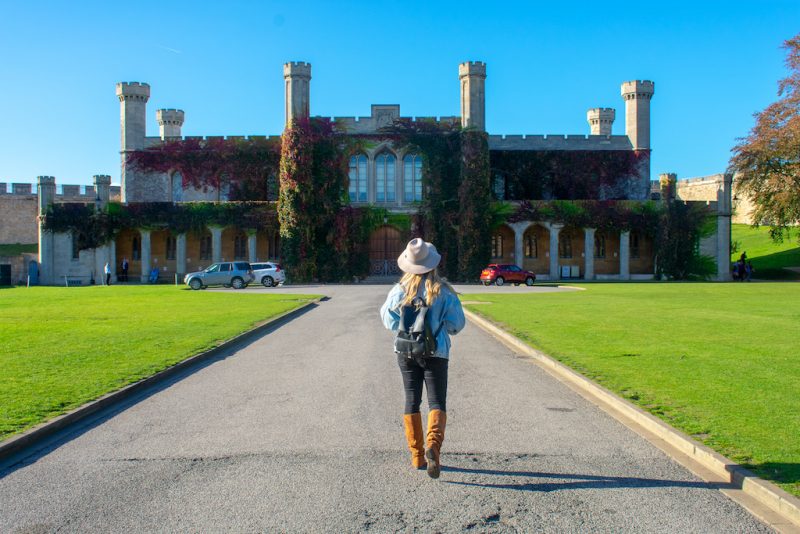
(301, 432)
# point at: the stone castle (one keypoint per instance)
(383, 175)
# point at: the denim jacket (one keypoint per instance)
(445, 309)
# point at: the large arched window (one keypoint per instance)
(412, 178)
(358, 178)
(384, 178)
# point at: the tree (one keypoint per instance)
(768, 159)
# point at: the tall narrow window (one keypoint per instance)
(634, 244)
(497, 246)
(171, 246)
(384, 178)
(240, 247)
(358, 178)
(499, 187)
(136, 249)
(76, 251)
(177, 187)
(599, 245)
(565, 245)
(412, 178)
(205, 247)
(531, 246)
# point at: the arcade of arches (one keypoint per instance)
(185, 253)
(554, 251)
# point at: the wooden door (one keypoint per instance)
(385, 245)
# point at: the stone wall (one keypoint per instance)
(18, 219)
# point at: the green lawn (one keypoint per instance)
(60, 348)
(719, 361)
(16, 249)
(769, 258)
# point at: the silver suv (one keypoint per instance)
(269, 273)
(235, 274)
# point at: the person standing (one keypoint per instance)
(446, 317)
(125, 269)
(107, 271)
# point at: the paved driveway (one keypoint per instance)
(301, 431)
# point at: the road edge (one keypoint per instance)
(32, 437)
(765, 500)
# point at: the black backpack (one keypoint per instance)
(415, 338)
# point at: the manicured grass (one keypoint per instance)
(16, 249)
(769, 258)
(60, 348)
(719, 361)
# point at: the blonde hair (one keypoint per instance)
(433, 286)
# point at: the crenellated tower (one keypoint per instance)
(472, 77)
(133, 97)
(169, 122)
(637, 95)
(600, 120)
(297, 83)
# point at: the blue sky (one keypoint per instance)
(714, 64)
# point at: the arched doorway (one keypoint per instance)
(385, 245)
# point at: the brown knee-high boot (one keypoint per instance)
(437, 419)
(416, 439)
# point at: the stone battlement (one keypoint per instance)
(297, 68)
(384, 116)
(640, 88)
(151, 141)
(63, 191)
(472, 68)
(133, 91)
(559, 142)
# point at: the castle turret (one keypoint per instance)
(169, 122)
(133, 97)
(102, 188)
(472, 77)
(637, 95)
(297, 81)
(600, 120)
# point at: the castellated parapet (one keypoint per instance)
(601, 120)
(297, 83)
(170, 122)
(472, 78)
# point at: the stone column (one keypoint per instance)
(588, 253)
(46, 196)
(625, 255)
(180, 256)
(555, 229)
(145, 274)
(519, 233)
(216, 243)
(724, 205)
(251, 247)
(111, 250)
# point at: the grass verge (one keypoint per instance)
(60, 348)
(17, 249)
(718, 361)
(769, 258)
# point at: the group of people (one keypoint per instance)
(743, 269)
(123, 276)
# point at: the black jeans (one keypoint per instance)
(430, 371)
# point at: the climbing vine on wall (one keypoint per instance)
(94, 228)
(248, 166)
(313, 184)
(567, 174)
(474, 201)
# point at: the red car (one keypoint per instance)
(500, 274)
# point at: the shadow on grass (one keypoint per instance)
(771, 266)
(570, 481)
(779, 472)
(44, 446)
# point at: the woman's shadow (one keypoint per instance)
(569, 481)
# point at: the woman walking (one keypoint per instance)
(445, 318)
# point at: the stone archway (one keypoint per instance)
(385, 245)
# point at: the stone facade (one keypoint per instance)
(549, 249)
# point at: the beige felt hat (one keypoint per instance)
(419, 257)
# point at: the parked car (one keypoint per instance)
(235, 274)
(269, 273)
(501, 273)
